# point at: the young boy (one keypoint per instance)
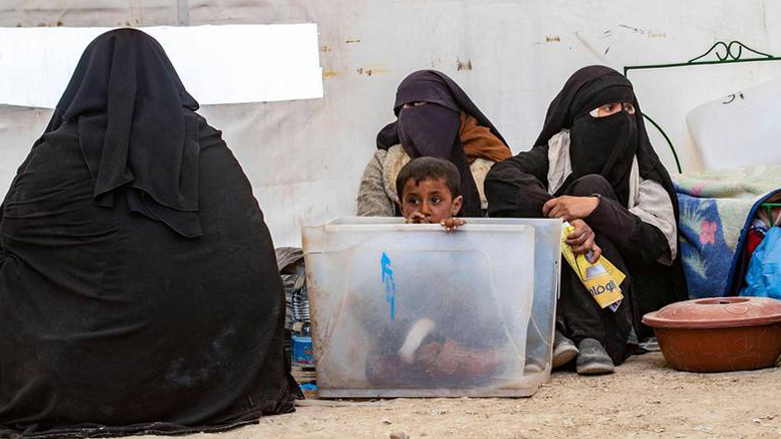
(429, 352)
(428, 190)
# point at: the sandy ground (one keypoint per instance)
(643, 399)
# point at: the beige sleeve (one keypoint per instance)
(654, 207)
(372, 198)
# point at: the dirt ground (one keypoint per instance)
(643, 399)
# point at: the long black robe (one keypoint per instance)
(601, 153)
(131, 301)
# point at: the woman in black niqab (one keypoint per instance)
(428, 107)
(593, 164)
(138, 283)
(603, 145)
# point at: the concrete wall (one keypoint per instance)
(305, 158)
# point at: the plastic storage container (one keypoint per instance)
(411, 311)
(736, 130)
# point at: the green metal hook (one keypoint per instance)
(733, 52)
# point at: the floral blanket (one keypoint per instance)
(715, 210)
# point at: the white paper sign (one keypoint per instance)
(228, 64)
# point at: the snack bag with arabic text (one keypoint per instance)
(601, 279)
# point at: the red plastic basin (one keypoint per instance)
(719, 334)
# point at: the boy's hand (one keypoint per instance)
(451, 224)
(416, 218)
(570, 208)
(582, 240)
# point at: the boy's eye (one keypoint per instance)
(436, 200)
(412, 200)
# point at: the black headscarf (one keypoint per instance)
(606, 145)
(432, 129)
(136, 128)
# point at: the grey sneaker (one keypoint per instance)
(564, 350)
(593, 358)
(532, 366)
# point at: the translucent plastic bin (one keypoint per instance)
(411, 311)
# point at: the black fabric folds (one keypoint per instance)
(134, 128)
(432, 129)
(115, 324)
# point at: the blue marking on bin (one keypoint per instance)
(390, 285)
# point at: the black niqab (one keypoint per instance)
(428, 130)
(432, 129)
(134, 128)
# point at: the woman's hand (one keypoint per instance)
(570, 208)
(582, 240)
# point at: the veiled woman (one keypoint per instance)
(138, 282)
(435, 118)
(593, 165)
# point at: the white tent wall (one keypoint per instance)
(305, 158)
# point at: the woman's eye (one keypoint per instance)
(629, 108)
(412, 104)
(609, 109)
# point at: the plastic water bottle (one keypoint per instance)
(300, 303)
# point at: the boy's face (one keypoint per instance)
(428, 201)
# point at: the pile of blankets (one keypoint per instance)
(716, 211)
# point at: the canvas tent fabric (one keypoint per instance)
(112, 322)
(326, 143)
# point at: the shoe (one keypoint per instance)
(564, 350)
(532, 366)
(593, 358)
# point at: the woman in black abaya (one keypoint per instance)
(138, 284)
(435, 118)
(593, 165)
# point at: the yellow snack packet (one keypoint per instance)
(602, 279)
